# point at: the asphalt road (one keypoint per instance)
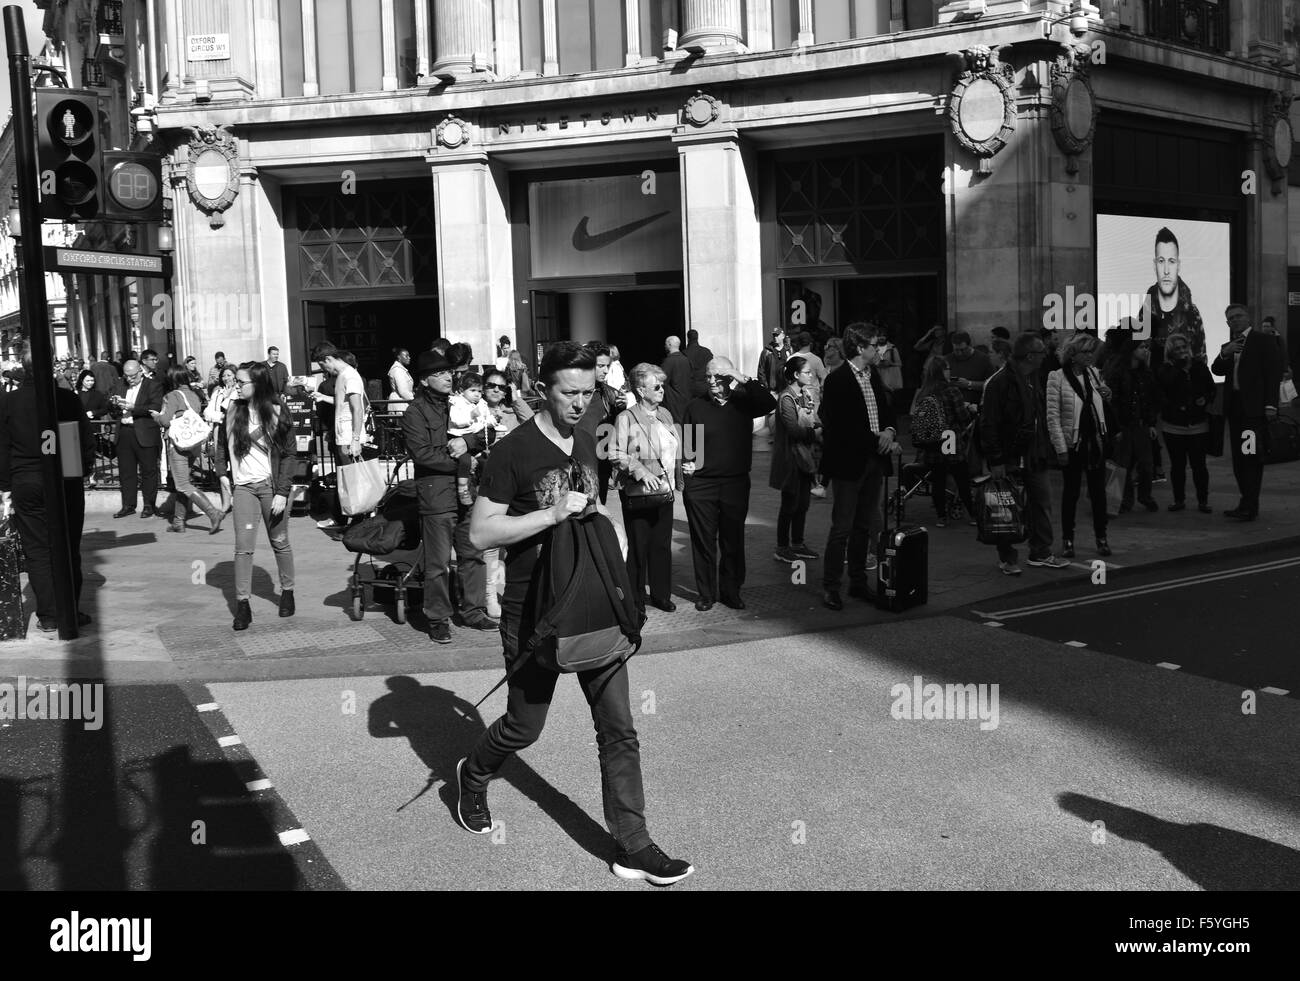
(1231, 618)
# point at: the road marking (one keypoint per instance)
(227, 741)
(1025, 611)
(1075, 643)
(1277, 691)
(1087, 566)
(992, 623)
(255, 785)
(1171, 667)
(208, 707)
(294, 837)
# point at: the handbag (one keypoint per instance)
(1000, 512)
(188, 429)
(638, 497)
(807, 456)
(1116, 476)
(361, 486)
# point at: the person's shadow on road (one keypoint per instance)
(443, 728)
(222, 576)
(1213, 857)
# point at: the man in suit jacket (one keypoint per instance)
(1252, 374)
(699, 356)
(139, 439)
(677, 387)
(858, 438)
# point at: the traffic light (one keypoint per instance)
(132, 187)
(68, 154)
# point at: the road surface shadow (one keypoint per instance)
(222, 576)
(442, 728)
(1215, 858)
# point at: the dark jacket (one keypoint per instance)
(790, 430)
(108, 379)
(1182, 319)
(1185, 396)
(678, 369)
(424, 425)
(149, 400)
(726, 432)
(770, 363)
(20, 437)
(1260, 374)
(95, 404)
(279, 376)
(699, 356)
(1009, 426)
(283, 465)
(604, 406)
(1135, 397)
(847, 439)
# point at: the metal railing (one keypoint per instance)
(1201, 24)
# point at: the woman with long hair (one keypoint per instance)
(517, 373)
(1076, 422)
(220, 397)
(834, 354)
(180, 397)
(941, 408)
(260, 441)
(793, 461)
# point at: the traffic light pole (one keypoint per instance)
(36, 317)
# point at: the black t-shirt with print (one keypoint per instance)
(527, 472)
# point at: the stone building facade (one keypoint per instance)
(383, 172)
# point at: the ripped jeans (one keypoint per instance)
(253, 503)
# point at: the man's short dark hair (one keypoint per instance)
(1167, 237)
(459, 355)
(856, 340)
(322, 351)
(597, 348)
(1001, 332)
(960, 337)
(219, 354)
(272, 348)
(148, 353)
(692, 336)
(1024, 344)
(802, 340)
(561, 356)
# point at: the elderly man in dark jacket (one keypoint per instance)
(677, 387)
(858, 438)
(1013, 436)
(442, 517)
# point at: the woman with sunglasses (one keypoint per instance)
(646, 457)
(261, 444)
(506, 403)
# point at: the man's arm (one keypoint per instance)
(760, 399)
(424, 452)
(150, 400)
(491, 527)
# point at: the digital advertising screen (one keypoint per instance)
(1134, 255)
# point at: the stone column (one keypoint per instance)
(423, 42)
(388, 33)
(711, 24)
(897, 16)
(550, 39)
(1264, 31)
(758, 22)
(310, 72)
(632, 18)
(805, 37)
(475, 268)
(462, 34)
(721, 234)
(509, 57)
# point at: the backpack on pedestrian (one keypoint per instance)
(928, 423)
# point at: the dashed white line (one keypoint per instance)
(227, 741)
(295, 837)
(255, 785)
(1277, 691)
(1171, 667)
(992, 623)
(1075, 643)
(208, 707)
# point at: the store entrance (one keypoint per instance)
(370, 329)
(636, 321)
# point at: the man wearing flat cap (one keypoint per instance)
(443, 519)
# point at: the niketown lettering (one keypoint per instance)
(584, 241)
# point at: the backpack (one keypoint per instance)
(583, 616)
(927, 422)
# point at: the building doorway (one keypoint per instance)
(370, 329)
(635, 320)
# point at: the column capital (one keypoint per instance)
(690, 139)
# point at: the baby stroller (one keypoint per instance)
(915, 480)
(391, 533)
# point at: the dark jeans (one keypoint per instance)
(1038, 501)
(1183, 449)
(29, 522)
(1248, 468)
(131, 456)
(940, 467)
(796, 497)
(649, 552)
(1075, 474)
(1136, 453)
(439, 532)
(529, 698)
(716, 508)
(857, 515)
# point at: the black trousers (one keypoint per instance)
(1075, 473)
(649, 552)
(716, 508)
(29, 520)
(132, 457)
(1248, 468)
(1182, 450)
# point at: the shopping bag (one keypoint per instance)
(1000, 511)
(361, 486)
(188, 430)
(1115, 477)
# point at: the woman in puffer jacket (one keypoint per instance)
(1076, 422)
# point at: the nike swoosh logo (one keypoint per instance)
(584, 241)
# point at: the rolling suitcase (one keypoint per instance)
(903, 554)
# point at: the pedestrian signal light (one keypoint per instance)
(68, 154)
(132, 186)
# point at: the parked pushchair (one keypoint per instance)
(914, 480)
(391, 533)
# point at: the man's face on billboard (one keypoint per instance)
(1166, 263)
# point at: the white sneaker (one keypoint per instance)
(872, 564)
(1051, 562)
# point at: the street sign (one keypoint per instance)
(209, 47)
(82, 260)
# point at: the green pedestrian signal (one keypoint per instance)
(70, 169)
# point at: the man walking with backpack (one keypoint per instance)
(541, 475)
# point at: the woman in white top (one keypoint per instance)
(399, 378)
(646, 451)
(1076, 422)
(180, 398)
(219, 399)
(260, 439)
(616, 379)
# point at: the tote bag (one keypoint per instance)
(361, 486)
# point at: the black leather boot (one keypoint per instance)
(243, 615)
(287, 609)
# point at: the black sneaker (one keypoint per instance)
(471, 809)
(652, 865)
(440, 632)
